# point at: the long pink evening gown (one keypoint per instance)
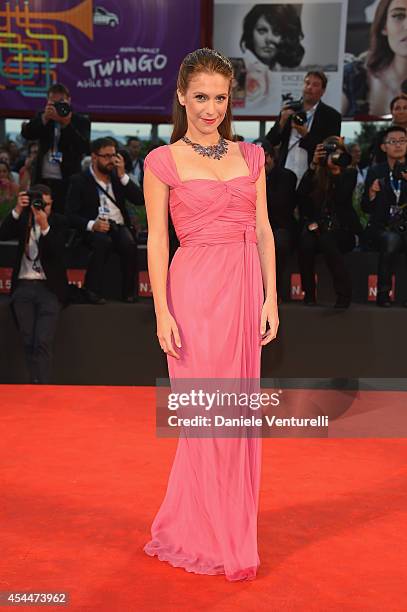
(207, 522)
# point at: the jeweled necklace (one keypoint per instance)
(216, 151)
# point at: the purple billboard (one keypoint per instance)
(116, 58)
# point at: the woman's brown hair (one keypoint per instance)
(201, 60)
(322, 181)
(380, 55)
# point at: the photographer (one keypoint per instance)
(96, 206)
(63, 140)
(329, 220)
(385, 199)
(303, 124)
(39, 283)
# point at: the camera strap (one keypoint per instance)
(105, 192)
(297, 142)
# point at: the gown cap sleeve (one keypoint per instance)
(159, 162)
(255, 158)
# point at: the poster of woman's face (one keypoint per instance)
(376, 56)
(273, 45)
(273, 32)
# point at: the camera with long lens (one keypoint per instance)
(338, 156)
(398, 170)
(63, 108)
(36, 199)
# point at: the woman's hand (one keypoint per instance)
(374, 189)
(269, 313)
(23, 201)
(319, 154)
(166, 328)
(40, 217)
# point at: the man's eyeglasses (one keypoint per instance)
(393, 141)
(107, 156)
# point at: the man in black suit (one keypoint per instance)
(281, 203)
(39, 285)
(385, 199)
(63, 138)
(298, 140)
(96, 205)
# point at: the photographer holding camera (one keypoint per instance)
(39, 284)
(304, 123)
(328, 218)
(385, 199)
(63, 137)
(96, 205)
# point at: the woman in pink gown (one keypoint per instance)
(212, 307)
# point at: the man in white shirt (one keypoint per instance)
(39, 282)
(298, 139)
(96, 205)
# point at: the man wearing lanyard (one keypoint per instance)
(63, 140)
(96, 205)
(297, 142)
(385, 199)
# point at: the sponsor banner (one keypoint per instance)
(372, 288)
(76, 276)
(118, 58)
(5, 279)
(144, 284)
(296, 291)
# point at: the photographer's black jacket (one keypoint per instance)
(337, 200)
(82, 200)
(281, 198)
(327, 122)
(51, 246)
(379, 208)
(74, 143)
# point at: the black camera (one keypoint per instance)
(398, 222)
(398, 170)
(36, 199)
(300, 116)
(330, 148)
(339, 157)
(63, 108)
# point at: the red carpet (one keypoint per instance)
(82, 475)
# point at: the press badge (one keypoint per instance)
(55, 157)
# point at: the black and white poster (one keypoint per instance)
(273, 45)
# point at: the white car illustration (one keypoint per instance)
(102, 17)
